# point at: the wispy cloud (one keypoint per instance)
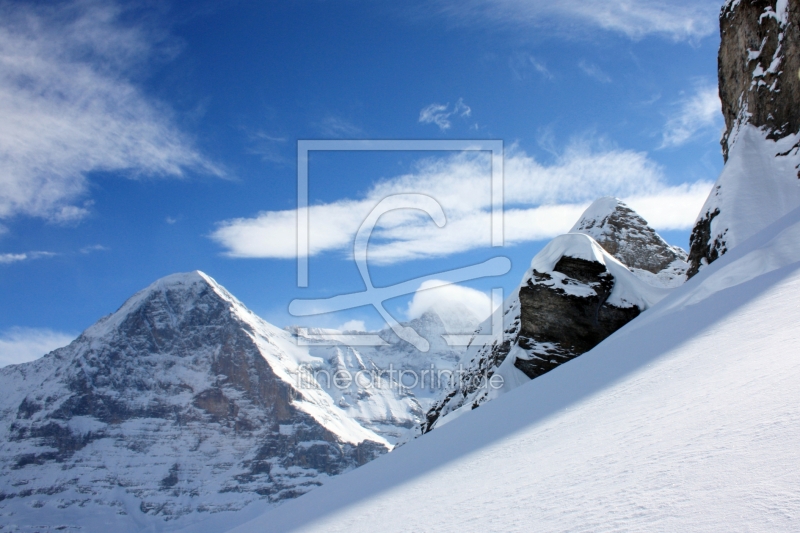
(698, 113)
(676, 19)
(334, 127)
(8, 258)
(542, 201)
(271, 148)
(440, 114)
(525, 66)
(70, 107)
(593, 71)
(94, 248)
(20, 345)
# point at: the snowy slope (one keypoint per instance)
(687, 419)
(758, 185)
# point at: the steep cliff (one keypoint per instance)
(759, 86)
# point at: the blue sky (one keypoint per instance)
(142, 139)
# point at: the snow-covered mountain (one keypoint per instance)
(181, 404)
(686, 419)
(575, 294)
(395, 384)
(759, 61)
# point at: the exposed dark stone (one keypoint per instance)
(769, 100)
(573, 324)
(554, 327)
(172, 479)
(702, 249)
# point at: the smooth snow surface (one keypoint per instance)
(686, 419)
(758, 185)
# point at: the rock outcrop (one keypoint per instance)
(627, 236)
(183, 402)
(574, 296)
(759, 86)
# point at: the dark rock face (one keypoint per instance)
(704, 249)
(175, 387)
(759, 61)
(572, 324)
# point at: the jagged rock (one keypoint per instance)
(759, 61)
(183, 400)
(627, 236)
(573, 297)
(759, 65)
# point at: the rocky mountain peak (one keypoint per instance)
(627, 236)
(759, 61)
(182, 401)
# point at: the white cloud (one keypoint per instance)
(16, 258)
(12, 258)
(676, 19)
(593, 71)
(541, 202)
(20, 345)
(440, 114)
(453, 303)
(701, 112)
(69, 108)
(353, 325)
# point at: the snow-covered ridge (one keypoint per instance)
(628, 289)
(181, 404)
(685, 420)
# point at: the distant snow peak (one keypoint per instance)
(182, 401)
(460, 308)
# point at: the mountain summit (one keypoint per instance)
(183, 401)
(627, 236)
